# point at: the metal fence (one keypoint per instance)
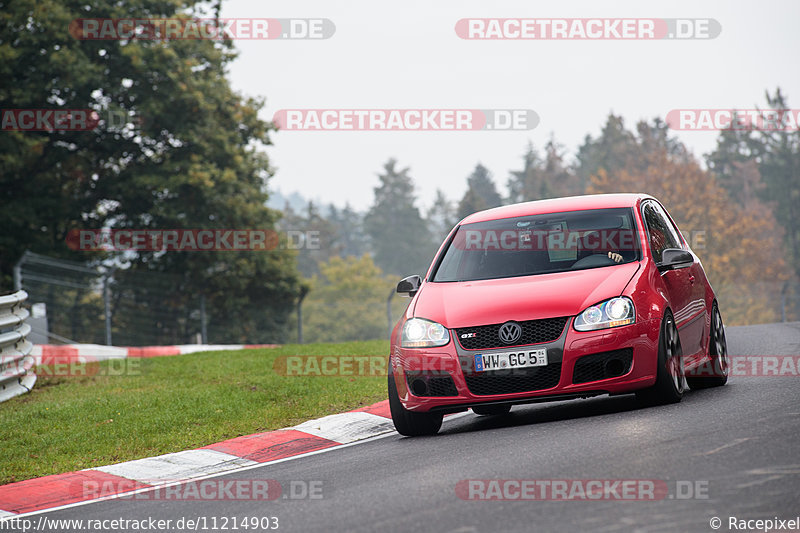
(103, 305)
(16, 363)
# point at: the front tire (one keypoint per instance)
(407, 422)
(670, 381)
(718, 350)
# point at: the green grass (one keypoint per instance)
(169, 404)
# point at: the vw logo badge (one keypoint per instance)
(510, 332)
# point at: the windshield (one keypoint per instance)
(539, 244)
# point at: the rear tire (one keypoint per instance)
(407, 422)
(718, 350)
(670, 381)
(491, 410)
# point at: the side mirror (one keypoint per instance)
(672, 258)
(409, 286)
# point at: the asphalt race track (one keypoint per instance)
(736, 447)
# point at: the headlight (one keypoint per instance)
(609, 314)
(421, 333)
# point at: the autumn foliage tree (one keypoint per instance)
(346, 300)
(740, 245)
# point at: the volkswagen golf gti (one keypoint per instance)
(553, 300)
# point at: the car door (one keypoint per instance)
(678, 282)
(695, 321)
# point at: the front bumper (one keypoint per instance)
(580, 364)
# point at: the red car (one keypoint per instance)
(553, 300)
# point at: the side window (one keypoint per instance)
(661, 233)
(673, 231)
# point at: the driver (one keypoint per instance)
(593, 236)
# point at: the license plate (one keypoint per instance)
(506, 360)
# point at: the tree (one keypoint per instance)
(543, 178)
(349, 229)
(653, 139)
(182, 153)
(615, 149)
(774, 180)
(528, 184)
(560, 179)
(441, 216)
(555, 172)
(347, 301)
(731, 162)
(312, 235)
(319, 236)
(399, 237)
(778, 155)
(481, 193)
(732, 145)
(739, 246)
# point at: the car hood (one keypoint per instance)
(472, 303)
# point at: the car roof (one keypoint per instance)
(557, 205)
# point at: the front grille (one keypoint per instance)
(442, 386)
(514, 380)
(438, 385)
(533, 332)
(593, 367)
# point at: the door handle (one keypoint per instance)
(691, 280)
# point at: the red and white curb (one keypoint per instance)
(239, 453)
(99, 352)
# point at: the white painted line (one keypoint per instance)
(194, 348)
(723, 447)
(347, 427)
(4, 514)
(189, 464)
(758, 482)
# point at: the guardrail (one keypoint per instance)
(16, 363)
